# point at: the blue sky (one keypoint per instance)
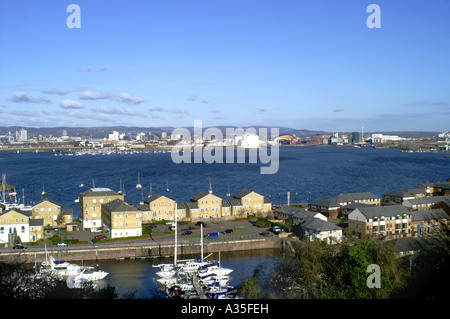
(305, 64)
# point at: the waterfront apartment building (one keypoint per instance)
(121, 219)
(90, 203)
(386, 222)
(424, 203)
(209, 206)
(14, 223)
(51, 213)
(160, 208)
(253, 202)
(332, 207)
(428, 221)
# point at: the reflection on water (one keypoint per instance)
(137, 278)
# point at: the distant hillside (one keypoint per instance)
(99, 132)
(103, 131)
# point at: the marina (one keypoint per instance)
(194, 278)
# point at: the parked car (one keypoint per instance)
(61, 244)
(19, 246)
(276, 229)
(100, 237)
(265, 233)
(187, 232)
(212, 235)
(227, 231)
(200, 224)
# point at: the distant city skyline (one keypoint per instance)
(311, 64)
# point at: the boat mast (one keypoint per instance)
(175, 251)
(3, 187)
(138, 184)
(201, 241)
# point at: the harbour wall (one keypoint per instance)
(140, 251)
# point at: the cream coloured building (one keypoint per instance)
(121, 219)
(161, 208)
(209, 206)
(90, 203)
(253, 203)
(14, 222)
(51, 213)
(386, 222)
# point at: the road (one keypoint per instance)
(243, 229)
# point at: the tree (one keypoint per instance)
(350, 276)
(307, 269)
(18, 281)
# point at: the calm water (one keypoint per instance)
(139, 277)
(308, 173)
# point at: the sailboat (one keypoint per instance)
(138, 185)
(210, 186)
(120, 192)
(150, 194)
(228, 194)
(43, 190)
(167, 189)
(142, 197)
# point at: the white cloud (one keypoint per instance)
(128, 99)
(89, 95)
(71, 104)
(55, 91)
(118, 110)
(89, 69)
(123, 97)
(23, 97)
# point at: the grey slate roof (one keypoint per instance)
(192, 205)
(444, 185)
(407, 244)
(143, 207)
(319, 225)
(428, 200)
(352, 206)
(351, 197)
(67, 211)
(99, 192)
(430, 214)
(199, 196)
(36, 222)
(235, 202)
(397, 193)
(334, 202)
(119, 205)
(386, 211)
(329, 203)
(292, 211)
(241, 194)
